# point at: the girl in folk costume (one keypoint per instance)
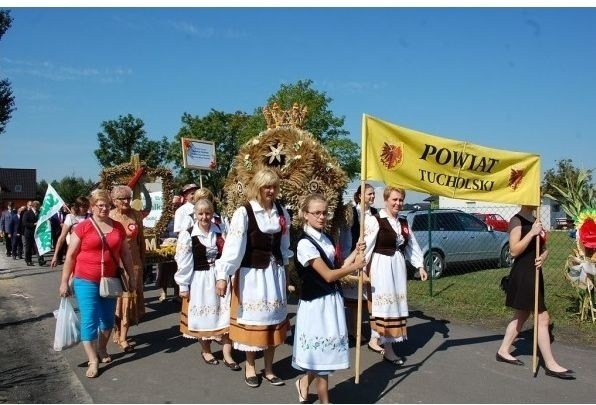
(389, 243)
(321, 337)
(205, 315)
(257, 250)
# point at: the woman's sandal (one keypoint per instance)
(126, 348)
(92, 369)
(104, 357)
(301, 399)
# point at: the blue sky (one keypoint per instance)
(509, 78)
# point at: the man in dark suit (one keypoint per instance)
(4, 218)
(30, 219)
(16, 232)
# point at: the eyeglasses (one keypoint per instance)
(320, 213)
(123, 198)
(102, 206)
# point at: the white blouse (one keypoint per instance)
(184, 257)
(413, 253)
(235, 245)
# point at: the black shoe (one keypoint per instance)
(14, 258)
(396, 361)
(515, 362)
(29, 263)
(252, 382)
(275, 380)
(563, 375)
(232, 366)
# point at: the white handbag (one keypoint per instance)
(109, 287)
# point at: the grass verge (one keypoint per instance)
(475, 297)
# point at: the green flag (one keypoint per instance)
(52, 203)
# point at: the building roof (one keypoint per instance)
(18, 184)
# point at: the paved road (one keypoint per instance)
(445, 362)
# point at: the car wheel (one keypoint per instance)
(438, 264)
(505, 260)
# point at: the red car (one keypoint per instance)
(495, 220)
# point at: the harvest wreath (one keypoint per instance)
(303, 165)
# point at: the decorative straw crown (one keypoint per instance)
(276, 117)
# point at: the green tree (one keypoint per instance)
(123, 137)
(219, 127)
(321, 122)
(71, 187)
(561, 177)
(6, 96)
(42, 187)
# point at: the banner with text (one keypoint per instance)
(421, 162)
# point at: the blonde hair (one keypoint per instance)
(99, 195)
(203, 203)
(203, 193)
(306, 204)
(262, 178)
(389, 189)
(121, 189)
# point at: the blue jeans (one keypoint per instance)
(97, 313)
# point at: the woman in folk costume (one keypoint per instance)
(348, 239)
(321, 338)
(389, 243)
(205, 315)
(256, 252)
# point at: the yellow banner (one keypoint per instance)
(421, 162)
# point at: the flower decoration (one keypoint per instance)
(275, 153)
(586, 228)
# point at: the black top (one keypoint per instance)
(520, 292)
(313, 285)
(356, 224)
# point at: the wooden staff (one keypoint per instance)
(360, 282)
(536, 279)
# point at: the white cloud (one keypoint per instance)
(194, 30)
(353, 86)
(191, 29)
(51, 71)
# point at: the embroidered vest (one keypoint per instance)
(260, 246)
(313, 285)
(386, 238)
(199, 251)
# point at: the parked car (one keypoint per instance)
(458, 237)
(495, 220)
